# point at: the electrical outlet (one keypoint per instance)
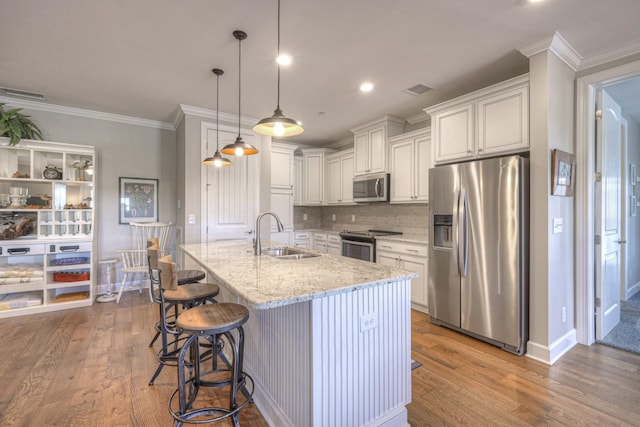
(333, 217)
(563, 312)
(368, 321)
(304, 217)
(353, 218)
(557, 225)
(192, 218)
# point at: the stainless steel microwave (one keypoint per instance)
(371, 188)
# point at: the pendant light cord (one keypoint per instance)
(239, 81)
(278, 58)
(217, 111)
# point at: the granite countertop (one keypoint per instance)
(268, 282)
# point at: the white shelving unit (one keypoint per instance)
(50, 266)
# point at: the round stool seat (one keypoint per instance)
(212, 318)
(189, 276)
(190, 292)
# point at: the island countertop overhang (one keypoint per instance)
(266, 282)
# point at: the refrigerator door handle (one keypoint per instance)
(455, 239)
(463, 223)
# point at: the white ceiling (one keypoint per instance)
(143, 58)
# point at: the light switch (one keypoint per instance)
(304, 217)
(353, 218)
(333, 217)
(557, 225)
(192, 218)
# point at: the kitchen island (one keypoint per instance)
(328, 341)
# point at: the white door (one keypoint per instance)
(231, 192)
(608, 152)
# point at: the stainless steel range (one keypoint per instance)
(361, 244)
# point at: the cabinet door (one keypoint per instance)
(422, 153)
(334, 181)
(453, 134)
(282, 205)
(347, 163)
(402, 172)
(377, 150)
(281, 169)
(297, 181)
(419, 284)
(313, 175)
(361, 151)
(388, 259)
(333, 249)
(320, 247)
(503, 122)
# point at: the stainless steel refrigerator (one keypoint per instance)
(478, 257)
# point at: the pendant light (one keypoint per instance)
(239, 147)
(278, 124)
(217, 160)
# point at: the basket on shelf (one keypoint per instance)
(74, 276)
(70, 261)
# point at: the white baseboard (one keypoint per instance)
(632, 291)
(395, 418)
(552, 353)
(269, 409)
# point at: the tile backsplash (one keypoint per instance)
(409, 219)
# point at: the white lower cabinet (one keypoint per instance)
(334, 244)
(302, 239)
(320, 242)
(411, 257)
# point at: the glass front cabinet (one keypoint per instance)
(47, 216)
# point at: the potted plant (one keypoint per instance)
(15, 125)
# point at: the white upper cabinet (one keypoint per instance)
(339, 183)
(409, 166)
(490, 121)
(370, 144)
(282, 174)
(313, 167)
(297, 180)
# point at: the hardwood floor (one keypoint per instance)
(91, 366)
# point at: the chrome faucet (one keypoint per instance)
(257, 247)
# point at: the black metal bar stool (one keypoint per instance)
(171, 297)
(184, 277)
(212, 322)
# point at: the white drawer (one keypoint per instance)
(15, 250)
(70, 247)
(334, 238)
(320, 236)
(402, 248)
(302, 235)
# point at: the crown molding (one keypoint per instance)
(627, 49)
(91, 114)
(210, 114)
(418, 118)
(559, 46)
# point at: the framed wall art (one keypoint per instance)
(563, 173)
(138, 200)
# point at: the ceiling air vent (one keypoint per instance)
(16, 93)
(418, 89)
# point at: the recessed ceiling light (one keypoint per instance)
(284, 59)
(535, 1)
(366, 87)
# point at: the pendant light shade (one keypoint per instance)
(217, 160)
(278, 124)
(239, 147)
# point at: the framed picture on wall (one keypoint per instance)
(563, 173)
(138, 200)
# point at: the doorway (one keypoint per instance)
(620, 82)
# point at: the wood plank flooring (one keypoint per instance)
(90, 367)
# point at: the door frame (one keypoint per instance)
(585, 158)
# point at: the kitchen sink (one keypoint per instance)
(288, 253)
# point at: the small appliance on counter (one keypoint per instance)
(361, 244)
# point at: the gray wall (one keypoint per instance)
(633, 223)
(122, 150)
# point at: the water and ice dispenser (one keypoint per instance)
(442, 231)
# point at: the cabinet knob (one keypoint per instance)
(479, 149)
(468, 151)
